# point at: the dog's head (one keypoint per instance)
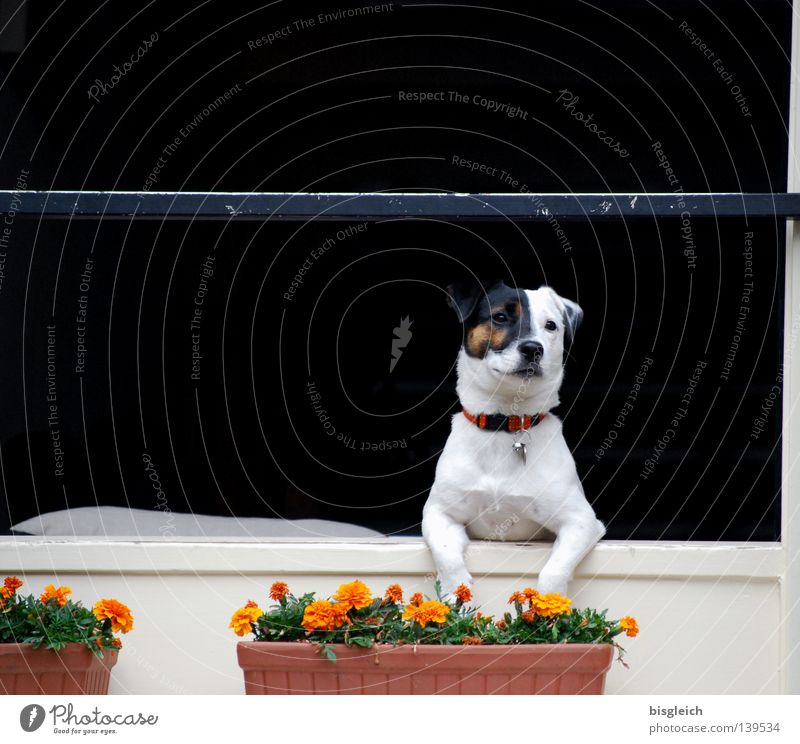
(513, 338)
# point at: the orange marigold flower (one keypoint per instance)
(60, 594)
(355, 594)
(462, 594)
(501, 625)
(323, 615)
(12, 583)
(471, 641)
(530, 594)
(551, 605)
(431, 611)
(394, 593)
(114, 643)
(416, 599)
(529, 616)
(278, 591)
(630, 626)
(5, 593)
(339, 615)
(250, 603)
(118, 613)
(317, 615)
(243, 619)
(517, 597)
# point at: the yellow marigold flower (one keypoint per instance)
(12, 583)
(550, 605)
(355, 594)
(431, 611)
(416, 599)
(278, 591)
(471, 641)
(394, 593)
(630, 626)
(462, 594)
(118, 613)
(243, 619)
(60, 594)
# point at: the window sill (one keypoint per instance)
(367, 556)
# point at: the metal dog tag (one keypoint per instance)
(520, 449)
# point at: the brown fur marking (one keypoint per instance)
(488, 335)
(499, 338)
(478, 339)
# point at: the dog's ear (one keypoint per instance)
(463, 296)
(573, 315)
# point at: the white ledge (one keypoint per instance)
(370, 556)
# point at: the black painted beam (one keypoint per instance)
(377, 206)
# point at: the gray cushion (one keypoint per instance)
(119, 521)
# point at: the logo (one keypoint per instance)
(31, 717)
(402, 337)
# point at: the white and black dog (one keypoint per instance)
(506, 472)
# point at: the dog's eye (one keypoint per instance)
(499, 317)
(550, 325)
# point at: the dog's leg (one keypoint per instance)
(575, 538)
(447, 540)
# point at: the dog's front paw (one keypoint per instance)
(553, 585)
(448, 585)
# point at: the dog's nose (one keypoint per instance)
(531, 350)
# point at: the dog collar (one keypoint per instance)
(500, 422)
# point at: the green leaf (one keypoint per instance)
(361, 641)
(328, 652)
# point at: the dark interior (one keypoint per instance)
(293, 410)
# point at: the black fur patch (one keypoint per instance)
(479, 306)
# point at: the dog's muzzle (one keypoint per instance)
(531, 352)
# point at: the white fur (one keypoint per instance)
(482, 488)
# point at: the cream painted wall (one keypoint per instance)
(709, 613)
(790, 476)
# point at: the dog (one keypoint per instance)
(505, 472)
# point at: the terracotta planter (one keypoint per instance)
(541, 669)
(74, 670)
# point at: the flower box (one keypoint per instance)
(298, 668)
(356, 643)
(52, 645)
(74, 670)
